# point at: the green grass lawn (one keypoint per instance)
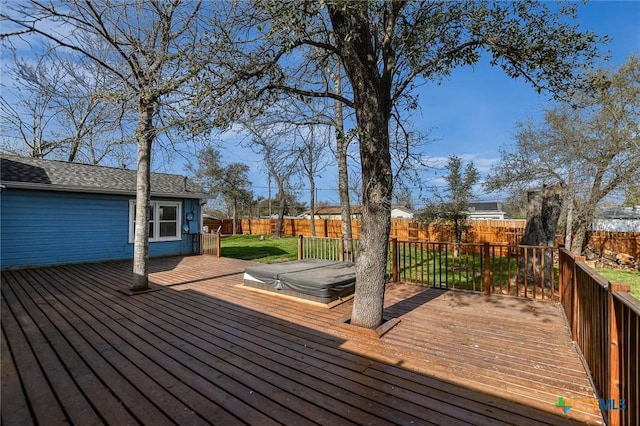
(269, 250)
(625, 277)
(435, 264)
(461, 272)
(422, 266)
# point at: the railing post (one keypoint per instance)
(218, 245)
(614, 355)
(395, 261)
(575, 303)
(561, 263)
(487, 269)
(300, 247)
(341, 248)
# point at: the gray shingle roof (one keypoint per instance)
(632, 213)
(489, 206)
(35, 173)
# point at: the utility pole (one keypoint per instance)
(269, 180)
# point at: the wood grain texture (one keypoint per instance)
(204, 350)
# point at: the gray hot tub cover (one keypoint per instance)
(315, 277)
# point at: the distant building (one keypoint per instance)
(402, 212)
(485, 210)
(335, 212)
(617, 219)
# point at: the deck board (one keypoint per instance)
(126, 339)
(205, 350)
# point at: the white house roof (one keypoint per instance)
(402, 209)
(355, 210)
(50, 175)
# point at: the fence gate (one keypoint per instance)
(209, 244)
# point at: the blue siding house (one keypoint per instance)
(54, 212)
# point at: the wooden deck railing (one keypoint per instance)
(523, 271)
(343, 249)
(490, 268)
(603, 317)
(605, 324)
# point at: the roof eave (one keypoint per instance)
(91, 190)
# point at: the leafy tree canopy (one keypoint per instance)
(451, 205)
(386, 49)
(229, 182)
(589, 144)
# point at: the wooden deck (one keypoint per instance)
(204, 350)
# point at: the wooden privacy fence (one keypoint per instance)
(493, 231)
(225, 226)
(524, 271)
(605, 324)
(503, 231)
(617, 242)
(294, 227)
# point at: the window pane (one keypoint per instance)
(150, 212)
(168, 229)
(151, 229)
(168, 212)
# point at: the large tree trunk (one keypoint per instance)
(342, 145)
(234, 216)
(542, 216)
(543, 213)
(579, 235)
(580, 215)
(568, 230)
(376, 218)
(312, 203)
(372, 102)
(145, 133)
(281, 209)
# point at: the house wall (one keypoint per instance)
(616, 225)
(486, 215)
(40, 228)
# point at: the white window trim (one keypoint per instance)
(156, 220)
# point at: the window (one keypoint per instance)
(164, 220)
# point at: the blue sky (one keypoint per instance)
(474, 112)
(471, 114)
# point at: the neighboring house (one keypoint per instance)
(617, 219)
(335, 212)
(485, 210)
(54, 212)
(402, 212)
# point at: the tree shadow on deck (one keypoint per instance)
(413, 300)
(419, 296)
